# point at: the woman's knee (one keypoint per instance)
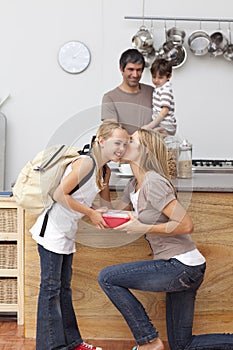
(103, 276)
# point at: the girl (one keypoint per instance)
(56, 322)
(177, 268)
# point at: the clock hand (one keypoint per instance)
(76, 54)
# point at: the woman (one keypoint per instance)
(56, 322)
(177, 268)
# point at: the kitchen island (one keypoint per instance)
(209, 200)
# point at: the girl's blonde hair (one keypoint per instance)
(105, 131)
(154, 153)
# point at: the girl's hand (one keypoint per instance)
(97, 218)
(133, 226)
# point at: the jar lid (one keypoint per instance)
(185, 145)
(172, 140)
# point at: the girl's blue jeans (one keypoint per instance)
(180, 282)
(56, 322)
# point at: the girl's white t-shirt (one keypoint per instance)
(62, 225)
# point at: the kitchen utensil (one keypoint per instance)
(228, 54)
(199, 42)
(149, 58)
(168, 51)
(176, 54)
(176, 36)
(218, 44)
(143, 40)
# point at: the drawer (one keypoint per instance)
(8, 255)
(8, 220)
(8, 290)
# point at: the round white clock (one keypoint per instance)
(74, 57)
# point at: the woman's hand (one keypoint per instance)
(97, 219)
(133, 226)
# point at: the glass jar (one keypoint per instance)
(185, 160)
(172, 144)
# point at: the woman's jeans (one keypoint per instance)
(56, 322)
(180, 282)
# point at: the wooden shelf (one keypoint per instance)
(11, 258)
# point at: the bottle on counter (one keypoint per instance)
(185, 160)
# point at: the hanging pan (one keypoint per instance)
(143, 39)
(198, 42)
(175, 35)
(218, 44)
(228, 54)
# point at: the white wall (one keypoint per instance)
(47, 104)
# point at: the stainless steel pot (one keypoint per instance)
(228, 54)
(143, 40)
(149, 58)
(199, 42)
(177, 54)
(218, 44)
(180, 58)
(176, 36)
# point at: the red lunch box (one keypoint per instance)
(116, 218)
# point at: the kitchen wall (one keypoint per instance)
(48, 105)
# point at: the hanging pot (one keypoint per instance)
(176, 36)
(199, 42)
(175, 53)
(218, 44)
(143, 40)
(149, 58)
(228, 54)
(180, 58)
(168, 51)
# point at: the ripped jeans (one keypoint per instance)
(180, 282)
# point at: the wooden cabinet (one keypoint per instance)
(99, 319)
(11, 258)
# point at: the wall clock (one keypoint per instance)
(74, 57)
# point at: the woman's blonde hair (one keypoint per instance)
(154, 153)
(105, 131)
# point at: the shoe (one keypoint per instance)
(135, 348)
(85, 346)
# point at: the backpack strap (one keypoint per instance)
(80, 184)
(86, 178)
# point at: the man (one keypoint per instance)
(131, 102)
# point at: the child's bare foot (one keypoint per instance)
(157, 344)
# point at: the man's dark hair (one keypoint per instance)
(131, 56)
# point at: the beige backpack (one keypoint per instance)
(38, 179)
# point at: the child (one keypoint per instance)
(57, 326)
(163, 99)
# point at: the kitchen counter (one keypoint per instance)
(99, 319)
(200, 182)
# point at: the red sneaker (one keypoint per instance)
(85, 346)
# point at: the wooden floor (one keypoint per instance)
(12, 338)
